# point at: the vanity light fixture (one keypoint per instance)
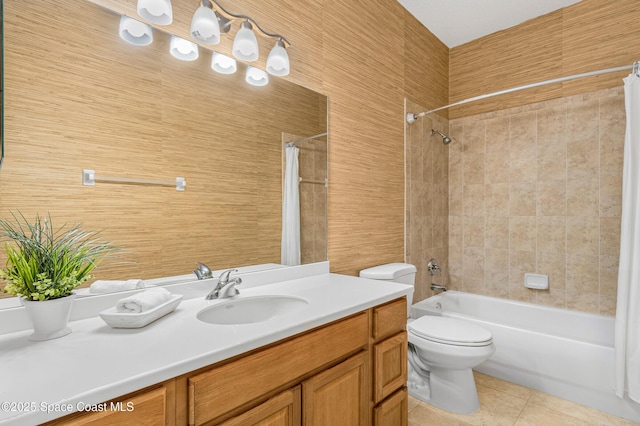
(157, 11)
(245, 44)
(135, 32)
(256, 77)
(205, 27)
(278, 60)
(182, 49)
(223, 64)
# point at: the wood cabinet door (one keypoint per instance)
(390, 366)
(337, 396)
(393, 411)
(281, 410)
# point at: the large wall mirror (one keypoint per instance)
(76, 96)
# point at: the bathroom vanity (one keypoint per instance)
(341, 360)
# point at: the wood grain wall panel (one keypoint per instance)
(587, 36)
(599, 35)
(505, 59)
(426, 66)
(364, 81)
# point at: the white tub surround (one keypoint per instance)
(565, 353)
(96, 363)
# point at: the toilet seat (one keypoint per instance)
(450, 331)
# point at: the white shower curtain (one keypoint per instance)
(290, 247)
(627, 329)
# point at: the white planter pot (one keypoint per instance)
(49, 317)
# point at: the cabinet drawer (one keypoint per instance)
(390, 318)
(393, 411)
(149, 408)
(224, 388)
(390, 366)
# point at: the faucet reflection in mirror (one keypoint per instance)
(207, 23)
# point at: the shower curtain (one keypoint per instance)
(627, 325)
(290, 247)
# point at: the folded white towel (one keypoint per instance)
(111, 286)
(143, 301)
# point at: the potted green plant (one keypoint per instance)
(44, 266)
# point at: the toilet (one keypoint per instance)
(442, 351)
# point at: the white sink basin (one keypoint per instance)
(251, 309)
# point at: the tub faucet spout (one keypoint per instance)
(438, 287)
(226, 286)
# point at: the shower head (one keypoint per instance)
(445, 139)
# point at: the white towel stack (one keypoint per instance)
(143, 301)
(112, 286)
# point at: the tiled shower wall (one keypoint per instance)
(538, 189)
(313, 200)
(426, 195)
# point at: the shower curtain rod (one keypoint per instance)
(305, 139)
(412, 117)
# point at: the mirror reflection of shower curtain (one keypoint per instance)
(290, 247)
(627, 328)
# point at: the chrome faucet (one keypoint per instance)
(226, 286)
(438, 287)
(203, 272)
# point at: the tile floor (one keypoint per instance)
(504, 403)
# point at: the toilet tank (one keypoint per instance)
(403, 273)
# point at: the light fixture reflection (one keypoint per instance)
(182, 49)
(278, 60)
(156, 11)
(223, 64)
(204, 26)
(135, 32)
(245, 45)
(256, 77)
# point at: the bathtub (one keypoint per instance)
(564, 353)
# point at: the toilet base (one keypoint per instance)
(450, 390)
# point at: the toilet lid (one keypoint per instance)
(450, 331)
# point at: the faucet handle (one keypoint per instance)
(203, 271)
(224, 277)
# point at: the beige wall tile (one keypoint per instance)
(497, 199)
(497, 169)
(522, 198)
(583, 235)
(582, 158)
(611, 195)
(497, 232)
(551, 234)
(582, 274)
(583, 197)
(582, 120)
(610, 236)
(522, 233)
(609, 275)
(552, 198)
(551, 157)
(473, 200)
(474, 231)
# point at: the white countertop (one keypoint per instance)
(96, 363)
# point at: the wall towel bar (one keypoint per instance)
(89, 178)
(324, 182)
